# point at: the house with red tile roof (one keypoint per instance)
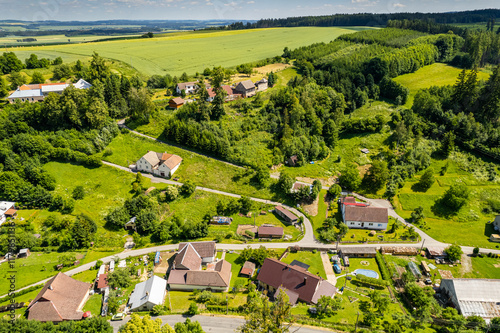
(294, 280)
(359, 215)
(61, 299)
(159, 164)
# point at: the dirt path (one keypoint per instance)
(466, 266)
(330, 275)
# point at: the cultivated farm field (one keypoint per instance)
(193, 51)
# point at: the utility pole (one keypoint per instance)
(422, 245)
(356, 328)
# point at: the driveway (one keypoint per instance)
(216, 324)
(330, 274)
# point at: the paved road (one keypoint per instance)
(216, 324)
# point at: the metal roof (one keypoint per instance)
(26, 93)
(54, 88)
(151, 291)
(479, 297)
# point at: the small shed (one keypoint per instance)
(102, 282)
(130, 225)
(436, 252)
(111, 265)
(358, 252)
(248, 269)
(287, 215)
(365, 151)
(24, 253)
(495, 238)
(176, 103)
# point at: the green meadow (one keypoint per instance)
(193, 51)
(437, 74)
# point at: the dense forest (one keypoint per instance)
(368, 19)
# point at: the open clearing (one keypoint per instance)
(193, 52)
(437, 74)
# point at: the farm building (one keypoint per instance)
(358, 252)
(270, 232)
(245, 88)
(24, 253)
(359, 215)
(7, 209)
(261, 85)
(287, 215)
(159, 164)
(61, 299)
(248, 269)
(436, 252)
(221, 220)
(37, 92)
(473, 297)
(147, 294)
(297, 282)
(176, 103)
(216, 277)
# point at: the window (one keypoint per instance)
(370, 223)
(380, 224)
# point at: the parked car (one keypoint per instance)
(428, 281)
(337, 269)
(118, 316)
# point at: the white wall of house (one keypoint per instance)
(366, 225)
(144, 165)
(174, 169)
(163, 171)
(185, 287)
(188, 90)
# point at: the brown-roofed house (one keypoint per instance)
(206, 250)
(187, 259)
(287, 215)
(159, 164)
(361, 216)
(176, 103)
(188, 87)
(217, 279)
(62, 298)
(245, 88)
(102, 282)
(248, 269)
(275, 274)
(230, 95)
(270, 232)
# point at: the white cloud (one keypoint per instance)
(399, 5)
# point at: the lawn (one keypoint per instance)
(235, 268)
(309, 258)
(203, 171)
(179, 300)
(192, 52)
(54, 39)
(93, 305)
(437, 74)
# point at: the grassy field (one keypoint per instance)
(437, 74)
(192, 51)
(203, 171)
(53, 39)
(469, 225)
(39, 266)
(94, 304)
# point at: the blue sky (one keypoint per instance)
(88, 10)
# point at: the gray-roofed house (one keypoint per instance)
(298, 283)
(261, 85)
(216, 278)
(37, 92)
(245, 88)
(159, 164)
(147, 294)
(358, 252)
(362, 216)
(24, 253)
(473, 297)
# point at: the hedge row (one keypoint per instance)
(372, 281)
(20, 293)
(383, 268)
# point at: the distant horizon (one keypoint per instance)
(225, 10)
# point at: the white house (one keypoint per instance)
(159, 164)
(261, 85)
(7, 209)
(357, 215)
(37, 92)
(188, 87)
(147, 294)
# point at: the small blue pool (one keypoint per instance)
(367, 272)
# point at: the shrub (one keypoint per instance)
(383, 268)
(193, 309)
(371, 281)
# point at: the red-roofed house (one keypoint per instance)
(230, 95)
(297, 282)
(159, 164)
(62, 298)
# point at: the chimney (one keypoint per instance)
(50, 287)
(305, 279)
(147, 293)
